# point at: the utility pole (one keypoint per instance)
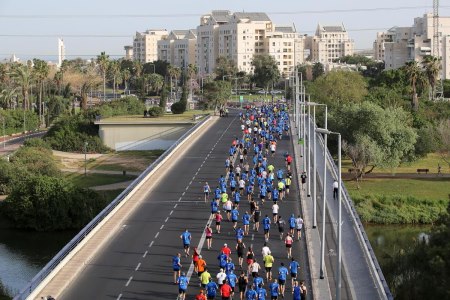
(439, 88)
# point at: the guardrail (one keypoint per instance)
(199, 116)
(59, 257)
(364, 240)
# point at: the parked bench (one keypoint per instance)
(423, 171)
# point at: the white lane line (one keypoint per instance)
(171, 212)
(156, 235)
(187, 188)
(167, 219)
(145, 254)
(253, 236)
(183, 194)
(190, 182)
(162, 226)
(118, 297)
(176, 205)
(129, 280)
(151, 244)
(138, 266)
(198, 170)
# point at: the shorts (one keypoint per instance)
(288, 245)
(273, 151)
(181, 291)
(209, 237)
(176, 269)
(281, 282)
(274, 297)
(254, 274)
(274, 214)
(281, 229)
(207, 193)
(210, 297)
(232, 188)
(217, 223)
(186, 246)
(288, 163)
(228, 210)
(299, 229)
(242, 289)
(268, 269)
(266, 230)
(234, 221)
(256, 218)
(287, 186)
(293, 275)
(240, 254)
(262, 197)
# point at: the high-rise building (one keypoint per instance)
(61, 52)
(330, 42)
(128, 52)
(179, 48)
(403, 44)
(145, 44)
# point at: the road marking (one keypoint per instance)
(162, 226)
(198, 170)
(175, 205)
(145, 254)
(138, 266)
(156, 236)
(171, 212)
(129, 280)
(253, 236)
(118, 297)
(150, 245)
(167, 219)
(189, 183)
(187, 187)
(183, 194)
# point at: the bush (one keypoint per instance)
(14, 121)
(120, 107)
(399, 209)
(155, 111)
(36, 142)
(178, 108)
(35, 160)
(45, 203)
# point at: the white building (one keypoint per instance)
(145, 44)
(128, 52)
(179, 48)
(402, 44)
(329, 43)
(61, 52)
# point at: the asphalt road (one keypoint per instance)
(137, 262)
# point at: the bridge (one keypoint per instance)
(126, 251)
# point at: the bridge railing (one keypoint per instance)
(362, 236)
(61, 255)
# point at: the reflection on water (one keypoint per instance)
(387, 240)
(24, 253)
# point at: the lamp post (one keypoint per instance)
(85, 158)
(339, 235)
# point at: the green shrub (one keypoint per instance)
(14, 121)
(36, 142)
(119, 107)
(398, 209)
(155, 111)
(35, 160)
(178, 108)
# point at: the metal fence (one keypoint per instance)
(27, 290)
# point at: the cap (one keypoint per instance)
(199, 256)
(225, 244)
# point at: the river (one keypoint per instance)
(24, 253)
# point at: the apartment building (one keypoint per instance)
(179, 48)
(128, 52)
(145, 44)
(329, 42)
(403, 44)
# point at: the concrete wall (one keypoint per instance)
(123, 137)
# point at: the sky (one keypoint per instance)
(30, 28)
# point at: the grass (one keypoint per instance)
(92, 180)
(433, 189)
(430, 162)
(146, 157)
(111, 194)
(168, 117)
(148, 154)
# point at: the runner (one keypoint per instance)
(200, 296)
(292, 224)
(266, 227)
(256, 216)
(232, 280)
(186, 238)
(182, 286)
(293, 267)
(274, 290)
(254, 268)
(176, 264)
(229, 267)
(226, 291)
(211, 290)
(275, 209)
(195, 258)
(282, 275)
(205, 277)
(201, 266)
(288, 242)
(239, 234)
(214, 207)
(299, 223)
(251, 294)
(226, 250)
(262, 293)
(303, 289)
(250, 257)
(265, 250)
(206, 191)
(242, 284)
(208, 234)
(258, 281)
(218, 218)
(246, 222)
(234, 216)
(268, 263)
(281, 224)
(240, 247)
(221, 276)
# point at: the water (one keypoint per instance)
(23, 254)
(387, 240)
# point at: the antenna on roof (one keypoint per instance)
(293, 25)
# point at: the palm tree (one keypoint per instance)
(432, 66)
(7, 96)
(126, 75)
(191, 73)
(156, 81)
(103, 62)
(40, 71)
(414, 73)
(114, 71)
(174, 73)
(23, 77)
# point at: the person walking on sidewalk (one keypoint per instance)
(335, 190)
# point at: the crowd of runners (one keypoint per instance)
(251, 183)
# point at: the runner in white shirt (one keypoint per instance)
(299, 225)
(241, 186)
(265, 250)
(275, 209)
(221, 276)
(255, 267)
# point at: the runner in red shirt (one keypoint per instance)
(200, 296)
(226, 250)
(226, 291)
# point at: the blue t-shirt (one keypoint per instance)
(294, 267)
(211, 289)
(282, 273)
(222, 260)
(280, 174)
(217, 193)
(292, 222)
(186, 237)
(275, 194)
(229, 267)
(262, 293)
(175, 263)
(214, 206)
(232, 279)
(233, 183)
(297, 295)
(250, 295)
(237, 197)
(274, 289)
(246, 219)
(182, 282)
(266, 223)
(258, 281)
(234, 215)
(239, 233)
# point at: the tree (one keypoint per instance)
(443, 130)
(174, 73)
(339, 87)
(217, 93)
(317, 70)
(163, 98)
(40, 73)
(82, 83)
(432, 66)
(414, 73)
(126, 75)
(114, 72)
(266, 72)
(23, 78)
(386, 135)
(156, 82)
(103, 63)
(225, 67)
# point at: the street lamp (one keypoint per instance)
(85, 158)
(339, 256)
